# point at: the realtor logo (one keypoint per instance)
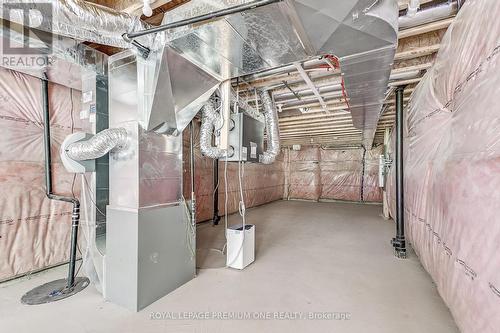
(26, 40)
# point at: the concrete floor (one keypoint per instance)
(311, 258)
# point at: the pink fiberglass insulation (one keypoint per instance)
(261, 183)
(452, 168)
(304, 178)
(317, 173)
(34, 231)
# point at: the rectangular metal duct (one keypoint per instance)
(178, 91)
(150, 240)
(362, 34)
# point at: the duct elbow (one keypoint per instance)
(210, 121)
(99, 145)
(273, 140)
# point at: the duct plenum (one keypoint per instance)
(210, 120)
(273, 138)
(99, 145)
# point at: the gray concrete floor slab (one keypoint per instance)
(311, 259)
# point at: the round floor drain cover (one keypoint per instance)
(54, 291)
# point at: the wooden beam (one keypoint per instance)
(348, 127)
(419, 67)
(342, 120)
(330, 125)
(422, 29)
(404, 82)
(307, 104)
(135, 8)
(327, 137)
(311, 116)
(417, 52)
(160, 8)
(324, 131)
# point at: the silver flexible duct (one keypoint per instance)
(243, 104)
(99, 145)
(79, 20)
(210, 119)
(272, 131)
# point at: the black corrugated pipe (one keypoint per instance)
(399, 242)
(75, 215)
(216, 217)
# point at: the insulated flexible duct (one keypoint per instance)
(99, 145)
(273, 137)
(210, 119)
(76, 19)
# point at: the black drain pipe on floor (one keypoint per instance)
(399, 242)
(75, 215)
(62, 288)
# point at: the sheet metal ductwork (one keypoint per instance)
(99, 145)
(272, 130)
(362, 34)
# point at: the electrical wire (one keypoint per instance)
(241, 210)
(91, 195)
(87, 231)
(74, 175)
(241, 203)
(216, 186)
(79, 267)
(190, 229)
(225, 202)
(72, 131)
(333, 62)
(72, 109)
